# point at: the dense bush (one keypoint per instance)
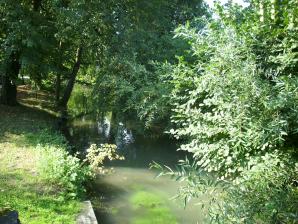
(57, 165)
(65, 170)
(239, 121)
(229, 113)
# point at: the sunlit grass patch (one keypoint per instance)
(36, 202)
(22, 189)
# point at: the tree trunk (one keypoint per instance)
(58, 87)
(58, 76)
(8, 95)
(64, 100)
(8, 92)
(36, 5)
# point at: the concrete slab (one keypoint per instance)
(87, 215)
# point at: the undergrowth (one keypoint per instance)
(27, 140)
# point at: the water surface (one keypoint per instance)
(132, 194)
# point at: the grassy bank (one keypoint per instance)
(24, 133)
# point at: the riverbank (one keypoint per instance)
(26, 137)
(131, 194)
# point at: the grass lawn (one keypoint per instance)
(21, 186)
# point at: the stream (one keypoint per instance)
(132, 194)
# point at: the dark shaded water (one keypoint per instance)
(131, 194)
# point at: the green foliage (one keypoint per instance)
(44, 35)
(235, 105)
(269, 28)
(267, 193)
(132, 91)
(26, 32)
(58, 166)
(69, 172)
(80, 102)
(129, 83)
(119, 83)
(229, 112)
(97, 155)
(196, 182)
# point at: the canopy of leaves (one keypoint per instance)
(141, 32)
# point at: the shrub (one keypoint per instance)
(58, 166)
(240, 121)
(68, 171)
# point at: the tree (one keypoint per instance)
(11, 38)
(141, 35)
(43, 37)
(25, 43)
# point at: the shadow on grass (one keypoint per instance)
(36, 98)
(26, 126)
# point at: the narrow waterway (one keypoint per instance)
(132, 194)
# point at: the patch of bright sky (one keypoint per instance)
(240, 2)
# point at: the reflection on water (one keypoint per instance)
(104, 127)
(117, 191)
(125, 142)
(138, 150)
